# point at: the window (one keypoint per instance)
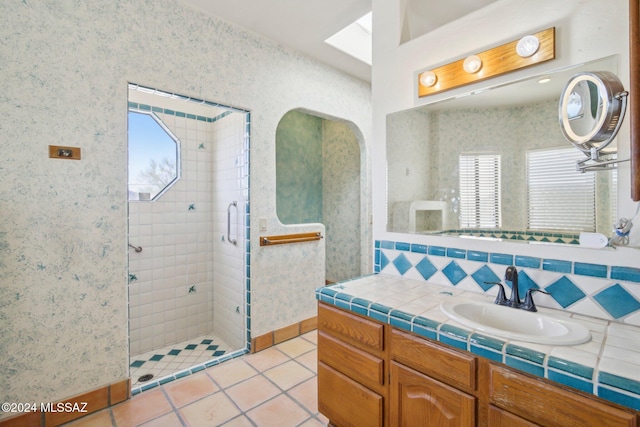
(153, 157)
(480, 191)
(559, 196)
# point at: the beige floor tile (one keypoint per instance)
(252, 392)
(169, 420)
(190, 389)
(311, 336)
(230, 373)
(288, 374)
(266, 359)
(309, 360)
(241, 421)
(307, 394)
(99, 419)
(211, 411)
(278, 412)
(312, 422)
(141, 408)
(295, 347)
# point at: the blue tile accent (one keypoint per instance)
(454, 273)
(525, 353)
(527, 261)
(485, 274)
(402, 246)
(424, 322)
(425, 332)
(478, 256)
(570, 367)
(384, 261)
(525, 282)
(496, 356)
(504, 259)
(594, 270)
(386, 244)
(621, 398)
(452, 342)
(137, 363)
(571, 381)
(489, 342)
(437, 250)
(399, 323)
(456, 253)
(420, 249)
(157, 357)
(380, 307)
(619, 382)
(401, 315)
(625, 273)
(523, 365)
(402, 264)
(174, 352)
(455, 331)
(556, 265)
(565, 292)
(617, 301)
(426, 268)
(380, 317)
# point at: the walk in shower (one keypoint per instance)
(188, 228)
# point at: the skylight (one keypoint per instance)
(354, 39)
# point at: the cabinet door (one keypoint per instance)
(418, 400)
(345, 402)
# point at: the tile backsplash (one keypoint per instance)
(604, 291)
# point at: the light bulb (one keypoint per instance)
(428, 78)
(472, 64)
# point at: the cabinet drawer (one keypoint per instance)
(356, 364)
(450, 366)
(355, 330)
(500, 418)
(345, 402)
(550, 405)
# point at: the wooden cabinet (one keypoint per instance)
(370, 374)
(352, 385)
(418, 400)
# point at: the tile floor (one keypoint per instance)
(176, 357)
(274, 387)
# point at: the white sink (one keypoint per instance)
(516, 324)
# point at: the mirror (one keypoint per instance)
(486, 164)
(591, 110)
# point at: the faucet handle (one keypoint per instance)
(501, 298)
(528, 303)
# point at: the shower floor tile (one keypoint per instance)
(176, 357)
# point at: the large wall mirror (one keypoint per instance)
(494, 164)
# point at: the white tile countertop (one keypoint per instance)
(607, 366)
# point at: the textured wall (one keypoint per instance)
(63, 234)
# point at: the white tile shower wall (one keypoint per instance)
(228, 272)
(170, 280)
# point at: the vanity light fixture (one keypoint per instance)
(538, 48)
(472, 64)
(527, 46)
(428, 78)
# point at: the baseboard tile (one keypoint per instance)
(277, 336)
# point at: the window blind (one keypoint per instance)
(559, 197)
(479, 176)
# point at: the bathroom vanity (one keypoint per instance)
(402, 369)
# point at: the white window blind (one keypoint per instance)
(559, 197)
(480, 191)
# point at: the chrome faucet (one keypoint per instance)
(511, 275)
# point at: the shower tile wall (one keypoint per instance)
(171, 282)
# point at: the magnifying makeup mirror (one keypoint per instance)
(591, 110)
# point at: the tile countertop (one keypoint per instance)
(607, 366)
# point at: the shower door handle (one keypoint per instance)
(229, 239)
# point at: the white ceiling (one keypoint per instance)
(304, 25)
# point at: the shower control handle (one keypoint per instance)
(229, 239)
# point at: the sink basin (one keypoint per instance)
(516, 324)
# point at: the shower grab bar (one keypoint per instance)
(232, 241)
(289, 238)
(137, 248)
